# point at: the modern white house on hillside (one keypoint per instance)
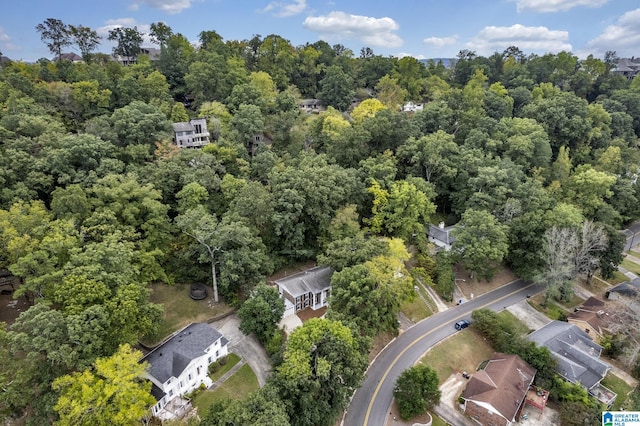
(191, 134)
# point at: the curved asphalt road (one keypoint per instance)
(371, 402)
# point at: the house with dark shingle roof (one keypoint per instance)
(627, 289)
(577, 355)
(441, 236)
(594, 318)
(306, 289)
(495, 394)
(181, 364)
(627, 67)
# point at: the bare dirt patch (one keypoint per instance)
(11, 308)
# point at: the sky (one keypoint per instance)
(419, 28)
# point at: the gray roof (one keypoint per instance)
(173, 356)
(442, 234)
(312, 280)
(183, 126)
(577, 355)
(627, 288)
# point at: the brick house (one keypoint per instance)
(494, 395)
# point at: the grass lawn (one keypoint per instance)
(520, 327)
(232, 359)
(620, 387)
(437, 421)
(634, 253)
(631, 266)
(417, 309)
(238, 386)
(464, 351)
(618, 277)
(553, 309)
(180, 309)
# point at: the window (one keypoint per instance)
(189, 376)
(198, 370)
(170, 393)
(169, 381)
(181, 384)
(209, 360)
(217, 354)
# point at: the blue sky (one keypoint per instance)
(420, 28)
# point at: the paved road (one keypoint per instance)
(371, 402)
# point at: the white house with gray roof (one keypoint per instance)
(191, 134)
(306, 289)
(577, 355)
(180, 365)
(441, 236)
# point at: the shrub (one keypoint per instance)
(222, 360)
(416, 391)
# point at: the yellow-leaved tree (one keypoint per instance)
(111, 393)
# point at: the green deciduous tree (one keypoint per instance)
(416, 391)
(55, 34)
(370, 293)
(128, 42)
(481, 243)
(323, 365)
(85, 38)
(111, 393)
(336, 88)
(261, 408)
(261, 313)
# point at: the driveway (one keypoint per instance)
(247, 347)
(528, 315)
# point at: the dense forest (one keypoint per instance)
(534, 157)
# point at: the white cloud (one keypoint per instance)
(169, 6)
(403, 55)
(623, 37)
(370, 31)
(285, 9)
(5, 41)
(440, 41)
(528, 39)
(556, 5)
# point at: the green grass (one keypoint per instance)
(237, 387)
(618, 277)
(520, 327)
(232, 359)
(550, 309)
(437, 421)
(416, 309)
(180, 310)
(631, 266)
(620, 387)
(634, 253)
(464, 351)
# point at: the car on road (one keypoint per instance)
(462, 324)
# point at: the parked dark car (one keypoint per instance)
(462, 324)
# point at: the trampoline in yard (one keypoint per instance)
(198, 291)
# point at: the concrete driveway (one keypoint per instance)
(246, 347)
(528, 315)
